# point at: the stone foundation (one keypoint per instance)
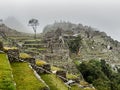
(43, 69)
(62, 75)
(1, 45)
(49, 57)
(13, 55)
(30, 60)
(47, 67)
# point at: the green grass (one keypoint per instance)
(54, 82)
(77, 62)
(32, 48)
(75, 87)
(10, 48)
(32, 44)
(40, 62)
(24, 55)
(53, 68)
(6, 80)
(32, 40)
(42, 49)
(25, 78)
(71, 76)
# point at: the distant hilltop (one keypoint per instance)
(14, 23)
(95, 44)
(9, 31)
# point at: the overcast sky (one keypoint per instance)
(101, 14)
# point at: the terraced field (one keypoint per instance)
(54, 82)
(25, 78)
(6, 79)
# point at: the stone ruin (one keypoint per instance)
(58, 53)
(1, 45)
(31, 60)
(13, 55)
(42, 69)
(62, 75)
(47, 67)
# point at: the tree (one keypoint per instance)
(34, 23)
(106, 69)
(74, 44)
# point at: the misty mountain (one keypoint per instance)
(11, 32)
(14, 23)
(95, 44)
(64, 25)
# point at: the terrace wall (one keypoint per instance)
(13, 55)
(1, 45)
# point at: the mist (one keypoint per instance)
(100, 14)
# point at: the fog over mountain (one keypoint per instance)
(100, 14)
(13, 23)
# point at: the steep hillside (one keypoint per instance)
(10, 32)
(14, 23)
(93, 44)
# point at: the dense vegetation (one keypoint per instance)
(100, 74)
(74, 44)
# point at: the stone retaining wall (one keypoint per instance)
(62, 75)
(1, 45)
(30, 60)
(13, 55)
(43, 69)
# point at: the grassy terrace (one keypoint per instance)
(71, 76)
(25, 78)
(53, 68)
(24, 55)
(10, 48)
(6, 80)
(40, 62)
(54, 82)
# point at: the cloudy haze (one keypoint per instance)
(101, 14)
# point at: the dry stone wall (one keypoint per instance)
(1, 45)
(30, 60)
(43, 69)
(13, 55)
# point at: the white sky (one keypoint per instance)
(101, 14)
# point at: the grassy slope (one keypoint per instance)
(6, 80)
(54, 82)
(24, 77)
(75, 87)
